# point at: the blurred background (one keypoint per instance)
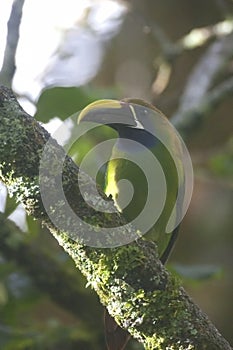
(60, 56)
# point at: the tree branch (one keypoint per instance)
(206, 71)
(188, 120)
(130, 280)
(198, 100)
(8, 67)
(40, 266)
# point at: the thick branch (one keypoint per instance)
(130, 280)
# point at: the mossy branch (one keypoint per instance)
(130, 280)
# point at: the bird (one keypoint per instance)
(148, 155)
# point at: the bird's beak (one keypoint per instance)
(108, 112)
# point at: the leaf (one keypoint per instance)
(3, 294)
(197, 272)
(221, 164)
(63, 101)
(33, 226)
(10, 206)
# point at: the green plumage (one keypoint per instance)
(137, 145)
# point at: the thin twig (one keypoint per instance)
(8, 67)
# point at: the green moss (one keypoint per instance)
(135, 309)
(129, 280)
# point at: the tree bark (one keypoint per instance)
(130, 280)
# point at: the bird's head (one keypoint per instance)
(129, 117)
(116, 114)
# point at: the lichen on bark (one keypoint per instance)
(130, 280)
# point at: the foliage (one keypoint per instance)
(31, 317)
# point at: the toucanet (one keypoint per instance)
(148, 154)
